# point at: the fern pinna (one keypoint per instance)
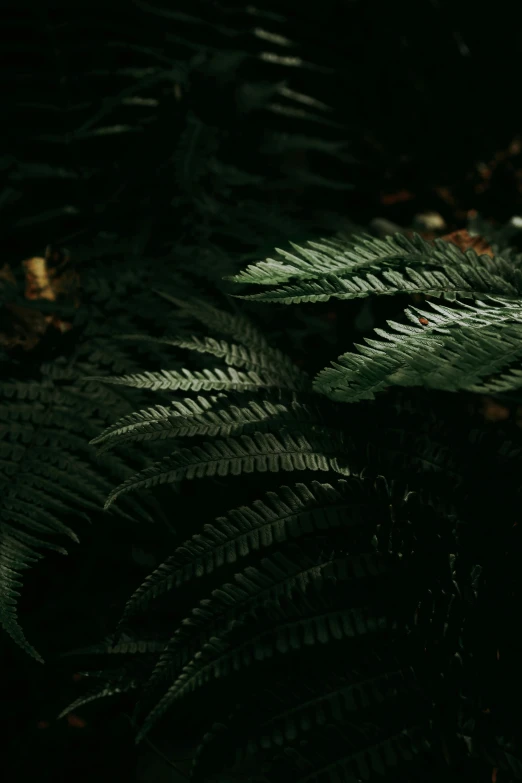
(51, 479)
(330, 631)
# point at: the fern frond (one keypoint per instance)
(505, 382)
(319, 625)
(264, 360)
(337, 696)
(287, 514)
(101, 692)
(205, 416)
(289, 709)
(495, 278)
(197, 380)
(325, 257)
(446, 349)
(125, 647)
(49, 475)
(277, 577)
(18, 552)
(223, 322)
(346, 260)
(244, 454)
(398, 749)
(180, 409)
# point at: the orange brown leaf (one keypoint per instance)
(493, 411)
(396, 198)
(75, 721)
(37, 279)
(463, 240)
(50, 278)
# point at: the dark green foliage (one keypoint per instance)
(330, 572)
(50, 476)
(328, 566)
(467, 346)
(127, 104)
(339, 584)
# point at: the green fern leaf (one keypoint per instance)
(277, 576)
(289, 709)
(291, 631)
(223, 322)
(496, 278)
(49, 475)
(198, 380)
(244, 454)
(102, 692)
(266, 360)
(18, 552)
(401, 748)
(339, 697)
(198, 417)
(447, 349)
(288, 514)
(347, 260)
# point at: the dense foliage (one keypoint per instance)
(335, 598)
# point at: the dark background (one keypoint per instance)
(426, 95)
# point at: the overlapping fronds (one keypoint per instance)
(472, 347)
(244, 454)
(283, 715)
(317, 570)
(357, 585)
(290, 513)
(359, 266)
(216, 416)
(498, 278)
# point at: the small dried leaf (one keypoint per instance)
(464, 241)
(75, 721)
(396, 198)
(493, 411)
(37, 280)
(50, 278)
